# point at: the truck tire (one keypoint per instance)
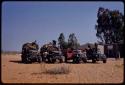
(84, 60)
(40, 59)
(61, 60)
(93, 61)
(75, 60)
(22, 59)
(65, 59)
(53, 61)
(27, 60)
(104, 61)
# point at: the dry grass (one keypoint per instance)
(14, 72)
(61, 69)
(119, 66)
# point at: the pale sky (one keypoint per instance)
(43, 21)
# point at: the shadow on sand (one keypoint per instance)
(20, 62)
(16, 61)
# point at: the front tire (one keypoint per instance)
(53, 60)
(27, 60)
(65, 59)
(93, 61)
(104, 61)
(84, 60)
(40, 59)
(61, 60)
(22, 58)
(75, 60)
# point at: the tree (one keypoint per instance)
(110, 25)
(72, 41)
(62, 42)
(54, 42)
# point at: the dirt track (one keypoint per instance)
(15, 72)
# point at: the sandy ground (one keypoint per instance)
(13, 71)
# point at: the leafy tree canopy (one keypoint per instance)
(110, 25)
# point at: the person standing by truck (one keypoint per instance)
(89, 52)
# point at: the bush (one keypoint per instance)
(61, 69)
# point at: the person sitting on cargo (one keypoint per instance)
(34, 46)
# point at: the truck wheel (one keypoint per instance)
(93, 61)
(27, 60)
(43, 59)
(104, 61)
(40, 60)
(75, 60)
(61, 60)
(84, 60)
(65, 60)
(22, 59)
(53, 60)
(49, 60)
